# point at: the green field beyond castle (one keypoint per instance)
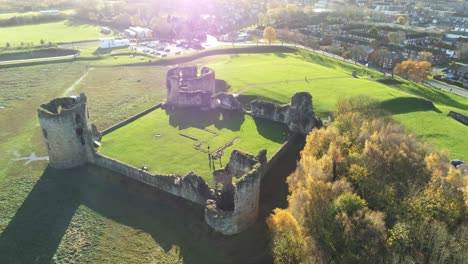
(177, 141)
(34, 197)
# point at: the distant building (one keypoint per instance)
(244, 37)
(109, 43)
(105, 30)
(140, 32)
(53, 12)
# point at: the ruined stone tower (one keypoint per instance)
(67, 131)
(186, 88)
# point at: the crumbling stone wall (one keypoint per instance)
(298, 116)
(301, 113)
(225, 101)
(67, 132)
(459, 117)
(270, 111)
(246, 194)
(184, 85)
(194, 99)
(191, 187)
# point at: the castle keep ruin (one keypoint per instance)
(67, 131)
(185, 88)
(233, 204)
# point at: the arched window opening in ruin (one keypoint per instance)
(44, 132)
(77, 119)
(79, 131)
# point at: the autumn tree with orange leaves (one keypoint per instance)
(364, 191)
(417, 71)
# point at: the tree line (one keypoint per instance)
(364, 191)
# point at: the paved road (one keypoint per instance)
(448, 88)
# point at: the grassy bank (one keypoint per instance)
(62, 31)
(91, 215)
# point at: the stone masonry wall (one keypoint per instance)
(246, 206)
(66, 131)
(129, 120)
(193, 99)
(246, 194)
(185, 87)
(298, 116)
(270, 111)
(191, 187)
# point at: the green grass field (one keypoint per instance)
(116, 93)
(276, 77)
(93, 216)
(32, 13)
(172, 153)
(62, 31)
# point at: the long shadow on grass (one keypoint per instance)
(193, 117)
(37, 229)
(403, 105)
(34, 233)
(432, 94)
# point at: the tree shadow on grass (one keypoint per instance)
(403, 105)
(194, 117)
(433, 94)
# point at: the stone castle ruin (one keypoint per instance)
(233, 204)
(185, 88)
(67, 132)
(298, 116)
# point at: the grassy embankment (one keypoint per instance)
(332, 80)
(55, 32)
(83, 215)
(32, 13)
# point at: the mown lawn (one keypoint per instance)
(32, 13)
(62, 31)
(155, 140)
(89, 215)
(276, 77)
(116, 93)
(93, 216)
